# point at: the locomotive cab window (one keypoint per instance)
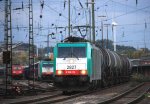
(47, 65)
(16, 68)
(71, 52)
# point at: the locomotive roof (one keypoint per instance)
(73, 43)
(74, 39)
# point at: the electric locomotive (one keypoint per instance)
(47, 70)
(71, 65)
(43, 71)
(17, 71)
(80, 66)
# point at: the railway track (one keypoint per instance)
(58, 98)
(66, 97)
(131, 96)
(97, 96)
(47, 99)
(33, 99)
(39, 86)
(24, 90)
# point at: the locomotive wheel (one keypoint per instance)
(91, 86)
(95, 84)
(65, 92)
(103, 83)
(98, 83)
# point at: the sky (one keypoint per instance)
(132, 18)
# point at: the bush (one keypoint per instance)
(137, 77)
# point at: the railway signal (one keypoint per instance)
(6, 57)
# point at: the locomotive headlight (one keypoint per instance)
(59, 72)
(83, 72)
(14, 71)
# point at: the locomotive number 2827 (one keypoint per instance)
(71, 66)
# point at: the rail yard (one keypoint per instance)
(114, 94)
(74, 52)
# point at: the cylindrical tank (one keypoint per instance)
(115, 61)
(105, 60)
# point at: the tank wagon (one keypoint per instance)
(80, 66)
(43, 71)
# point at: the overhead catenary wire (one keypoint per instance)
(129, 6)
(45, 28)
(78, 9)
(128, 13)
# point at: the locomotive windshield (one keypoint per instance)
(71, 52)
(16, 68)
(47, 65)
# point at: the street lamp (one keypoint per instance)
(107, 34)
(114, 24)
